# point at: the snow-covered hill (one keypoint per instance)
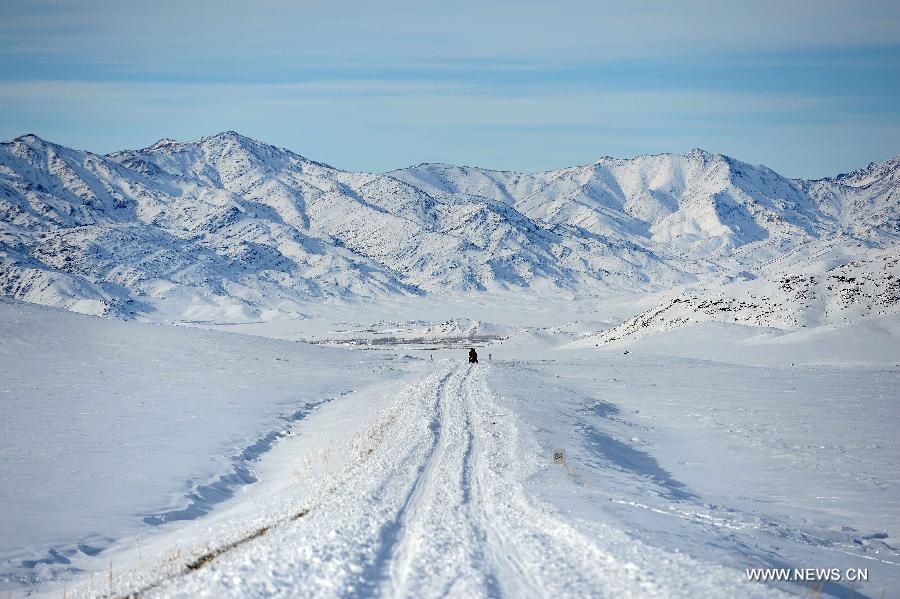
(229, 228)
(791, 298)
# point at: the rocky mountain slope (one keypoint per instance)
(790, 299)
(226, 227)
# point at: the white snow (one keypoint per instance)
(701, 452)
(285, 410)
(108, 426)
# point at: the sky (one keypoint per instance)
(808, 88)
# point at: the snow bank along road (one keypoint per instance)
(435, 501)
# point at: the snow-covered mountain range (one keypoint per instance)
(229, 227)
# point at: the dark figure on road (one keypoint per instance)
(473, 356)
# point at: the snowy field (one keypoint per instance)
(178, 461)
(112, 429)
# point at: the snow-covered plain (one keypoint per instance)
(699, 453)
(111, 428)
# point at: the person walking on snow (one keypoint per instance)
(473, 356)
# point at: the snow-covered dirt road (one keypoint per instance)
(434, 502)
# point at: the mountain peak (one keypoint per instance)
(170, 143)
(700, 152)
(231, 136)
(165, 142)
(693, 153)
(31, 139)
(872, 171)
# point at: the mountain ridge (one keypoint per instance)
(893, 161)
(229, 223)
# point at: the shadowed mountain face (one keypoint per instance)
(230, 225)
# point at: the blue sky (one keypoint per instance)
(809, 88)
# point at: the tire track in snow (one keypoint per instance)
(392, 531)
(538, 552)
(439, 552)
(436, 504)
(470, 530)
(542, 552)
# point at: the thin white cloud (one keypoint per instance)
(565, 105)
(380, 125)
(172, 37)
